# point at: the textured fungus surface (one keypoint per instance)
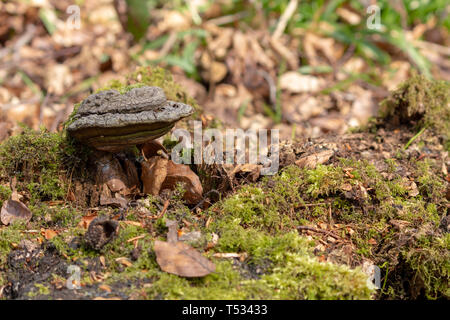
(110, 121)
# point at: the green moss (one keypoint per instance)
(290, 272)
(248, 219)
(5, 193)
(423, 100)
(431, 266)
(10, 236)
(35, 159)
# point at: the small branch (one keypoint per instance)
(327, 233)
(228, 19)
(284, 19)
(166, 205)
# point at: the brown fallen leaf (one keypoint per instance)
(105, 287)
(13, 210)
(181, 259)
(117, 201)
(154, 172)
(313, 160)
(159, 173)
(152, 148)
(181, 173)
(49, 233)
(124, 261)
(86, 220)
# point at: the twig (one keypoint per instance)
(272, 87)
(168, 45)
(23, 40)
(311, 204)
(228, 19)
(136, 238)
(433, 46)
(327, 233)
(166, 205)
(284, 19)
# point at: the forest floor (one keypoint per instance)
(362, 188)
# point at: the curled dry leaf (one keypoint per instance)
(13, 210)
(313, 160)
(159, 174)
(154, 172)
(117, 201)
(182, 173)
(152, 148)
(49, 233)
(117, 177)
(124, 261)
(86, 220)
(181, 259)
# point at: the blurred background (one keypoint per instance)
(304, 67)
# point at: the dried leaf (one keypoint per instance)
(159, 173)
(86, 221)
(154, 172)
(124, 261)
(117, 201)
(313, 160)
(49, 234)
(151, 148)
(181, 259)
(14, 210)
(105, 287)
(181, 173)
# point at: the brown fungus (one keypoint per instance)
(110, 121)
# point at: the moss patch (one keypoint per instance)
(421, 100)
(35, 159)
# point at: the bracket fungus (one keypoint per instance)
(110, 121)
